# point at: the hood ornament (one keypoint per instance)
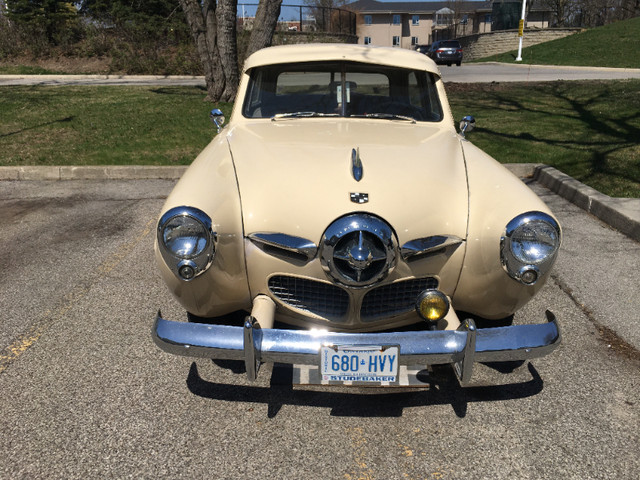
(356, 164)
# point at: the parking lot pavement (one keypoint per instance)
(86, 393)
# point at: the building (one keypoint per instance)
(407, 24)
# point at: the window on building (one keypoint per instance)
(487, 18)
(368, 20)
(415, 20)
(444, 16)
(396, 19)
(414, 40)
(367, 40)
(396, 41)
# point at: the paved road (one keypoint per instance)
(467, 73)
(85, 393)
(502, 72)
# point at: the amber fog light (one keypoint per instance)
(432, 305)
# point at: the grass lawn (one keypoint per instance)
(614, 45)
(103, 125)
(589, 130)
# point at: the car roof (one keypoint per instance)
(317, 52)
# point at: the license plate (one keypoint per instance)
(350, 363)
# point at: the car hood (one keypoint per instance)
(295, 176)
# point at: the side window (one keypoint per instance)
(396, 19)
(367, 40)
(396, 41)
(415, 20)
(368, 20)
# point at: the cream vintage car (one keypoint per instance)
(341, 210)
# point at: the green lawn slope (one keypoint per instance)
(616, 45)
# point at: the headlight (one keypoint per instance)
(186, 241)
(529, 246)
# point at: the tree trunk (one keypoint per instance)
(213, 27)
(228, 46)
(264, 25)
(204, 30)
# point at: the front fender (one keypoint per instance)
(210, 184)
(496, 196)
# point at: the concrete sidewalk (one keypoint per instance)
(623, 214)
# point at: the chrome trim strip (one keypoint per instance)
(298, 245)
(423, 246)
(302, 347)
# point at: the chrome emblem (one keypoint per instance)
(358, 250)
(356, 164)
(359, 197)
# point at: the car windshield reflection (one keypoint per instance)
(342, 89)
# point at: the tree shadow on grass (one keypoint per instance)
(40, 125)
(589, 112)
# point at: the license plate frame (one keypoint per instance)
(368, 364)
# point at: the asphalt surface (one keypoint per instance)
(466, 73)
(84, 393)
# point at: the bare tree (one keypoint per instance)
(213, 25)
(563, 10)
(264, 25)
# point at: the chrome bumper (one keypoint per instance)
(460, 347)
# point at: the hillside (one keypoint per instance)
(615, 45)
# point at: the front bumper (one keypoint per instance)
(254, 345)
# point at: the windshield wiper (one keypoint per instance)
(386, 116)
(278, 116)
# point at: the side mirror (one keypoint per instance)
(467, 124)
(217, 117)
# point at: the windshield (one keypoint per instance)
(342, 89)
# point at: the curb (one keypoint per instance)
(112, 172)
(623, 214)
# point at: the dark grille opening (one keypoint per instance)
(393, 299)
(316, 297)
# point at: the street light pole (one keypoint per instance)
(521, 30)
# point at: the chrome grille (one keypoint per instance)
(393, 299)
(319, 298)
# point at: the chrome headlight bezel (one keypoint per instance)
(186, 261)
(518, 256)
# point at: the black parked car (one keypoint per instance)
(422, 48)
(446, 51)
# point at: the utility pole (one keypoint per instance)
(521, 30)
